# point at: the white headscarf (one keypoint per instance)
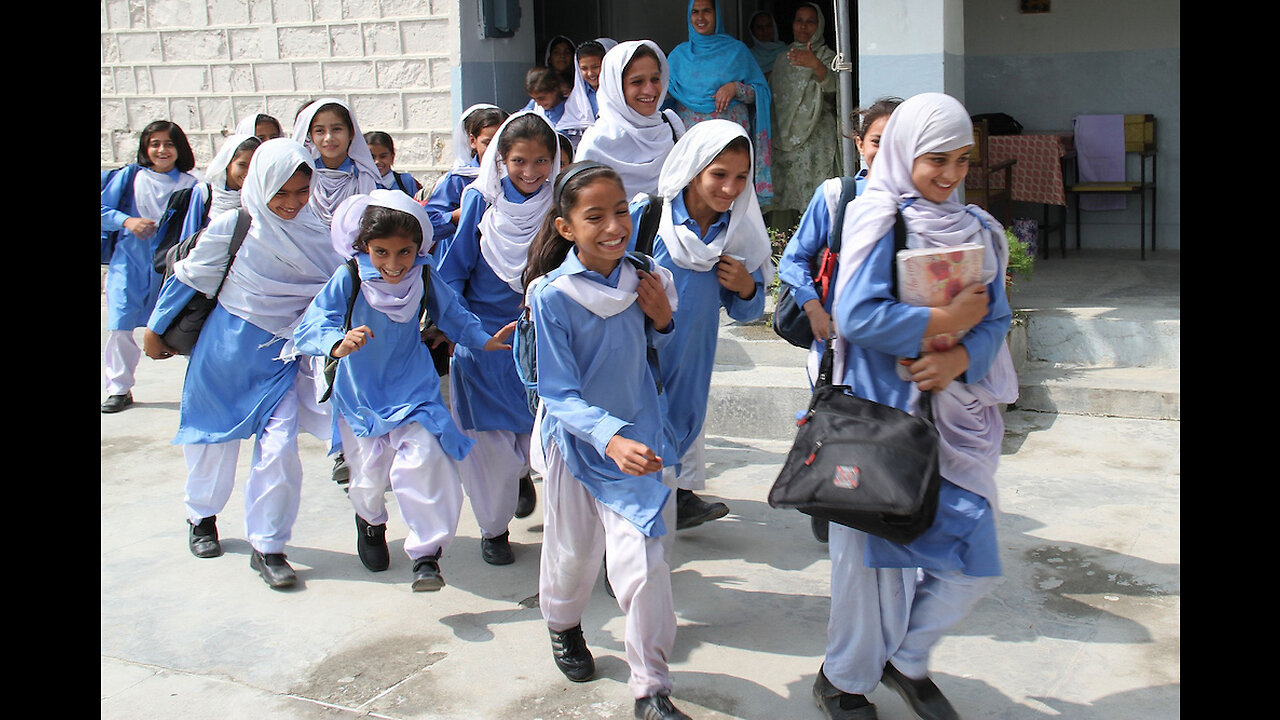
(507, 228)
(151, 190)
(283, 263)
(632, 144)
(577, 107)
(330, 187)
(965, 413)
(400, 301)
(222, 199)
(462, 147)
(746, 237)
(248, 125)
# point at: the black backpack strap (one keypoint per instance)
(642, 261)
(354, 269)
(426, 288)
(899, 243)
(848, 191)
(648, 229)
(237, 239)
(671, 125)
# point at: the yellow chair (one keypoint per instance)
(1139, 139)
(980, 167)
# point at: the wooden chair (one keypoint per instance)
(981, 168)
(1140, 140)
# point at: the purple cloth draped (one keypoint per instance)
(1100, 155)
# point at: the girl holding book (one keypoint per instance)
(891, 603)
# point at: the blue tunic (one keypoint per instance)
(686, 362)
(391, 380)
(595, 382)
(132, 283)
(486, 387)
(879, 329)
(445, 198)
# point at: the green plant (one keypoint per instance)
(1021, 262)
(778, 240)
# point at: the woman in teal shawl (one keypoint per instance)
(714, 75)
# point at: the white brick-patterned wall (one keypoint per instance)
(205, 64)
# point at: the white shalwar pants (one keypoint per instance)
(274, 488)
(693, 465)
(883, 614)
(422, 476)
(578, 530)
(491, 474)
(120, 357)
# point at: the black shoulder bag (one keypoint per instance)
(862, 464)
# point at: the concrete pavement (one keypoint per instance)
(1084, 623)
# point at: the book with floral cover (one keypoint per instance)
(931, 277)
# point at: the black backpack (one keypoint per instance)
(182, 333)
(170, 226)
(789, 320)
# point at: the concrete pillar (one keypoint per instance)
(906, 47)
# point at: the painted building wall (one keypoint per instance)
(205, 64)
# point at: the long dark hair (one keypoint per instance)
(549, 248)
(186, 158)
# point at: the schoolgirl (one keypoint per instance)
(600, 440)
(132, 203)
(545, 97)
(712, 238)
(383, 150)
(559, 59)
(582, 107)
(884, 622)
(262, 126)
(393, 425)
(814, 233)
(344, 165)
(501, 213)
(243, 375)
(632, 134)
(471, 137)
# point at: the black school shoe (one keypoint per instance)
(925, 699)
(692, 511)
(658, 707)
(837, 704)
(202, 538)
(570, 651)
(341, 474)
(371, 545)
(426, 573)
(528, 498)
(274, 570)
(116, 403)
(497, 550)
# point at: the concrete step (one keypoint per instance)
(759, 382)
(1104, 336)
